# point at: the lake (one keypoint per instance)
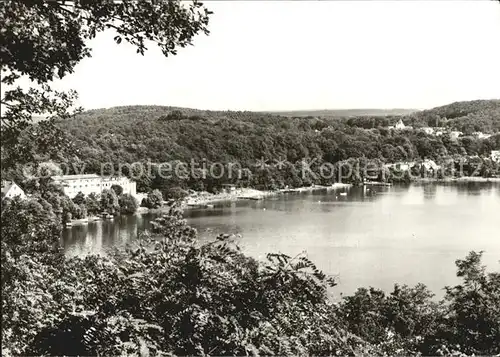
(369, 237)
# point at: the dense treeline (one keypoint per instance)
(170, 294)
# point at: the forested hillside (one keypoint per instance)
(168, 133)
(163, 134)
(476, 115)
(468, 117)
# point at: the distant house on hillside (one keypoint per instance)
(400, 126)
(11, 190)
(495, 155)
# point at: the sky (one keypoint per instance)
(301, 55)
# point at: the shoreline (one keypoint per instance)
(204, 199)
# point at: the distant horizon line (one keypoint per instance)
(256, 111)
(277, 111)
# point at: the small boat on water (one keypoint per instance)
(343, 193)
(210, 206)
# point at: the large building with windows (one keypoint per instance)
(91, 183)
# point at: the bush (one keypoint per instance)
(184, 298)
(408, 321)
(128, 204)
(118, 189)
(472, 323)
(92, 203)
(175, 193)
(153, 200)
(79, 198)
(109, 202)
(169, 294)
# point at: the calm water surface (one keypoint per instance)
(373, 237)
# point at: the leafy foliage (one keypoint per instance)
(171, 295)
(45, 40)
(408, 321)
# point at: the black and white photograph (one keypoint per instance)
(250, 177)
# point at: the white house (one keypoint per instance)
(495, 155)
(91, 183)
(11, 190)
